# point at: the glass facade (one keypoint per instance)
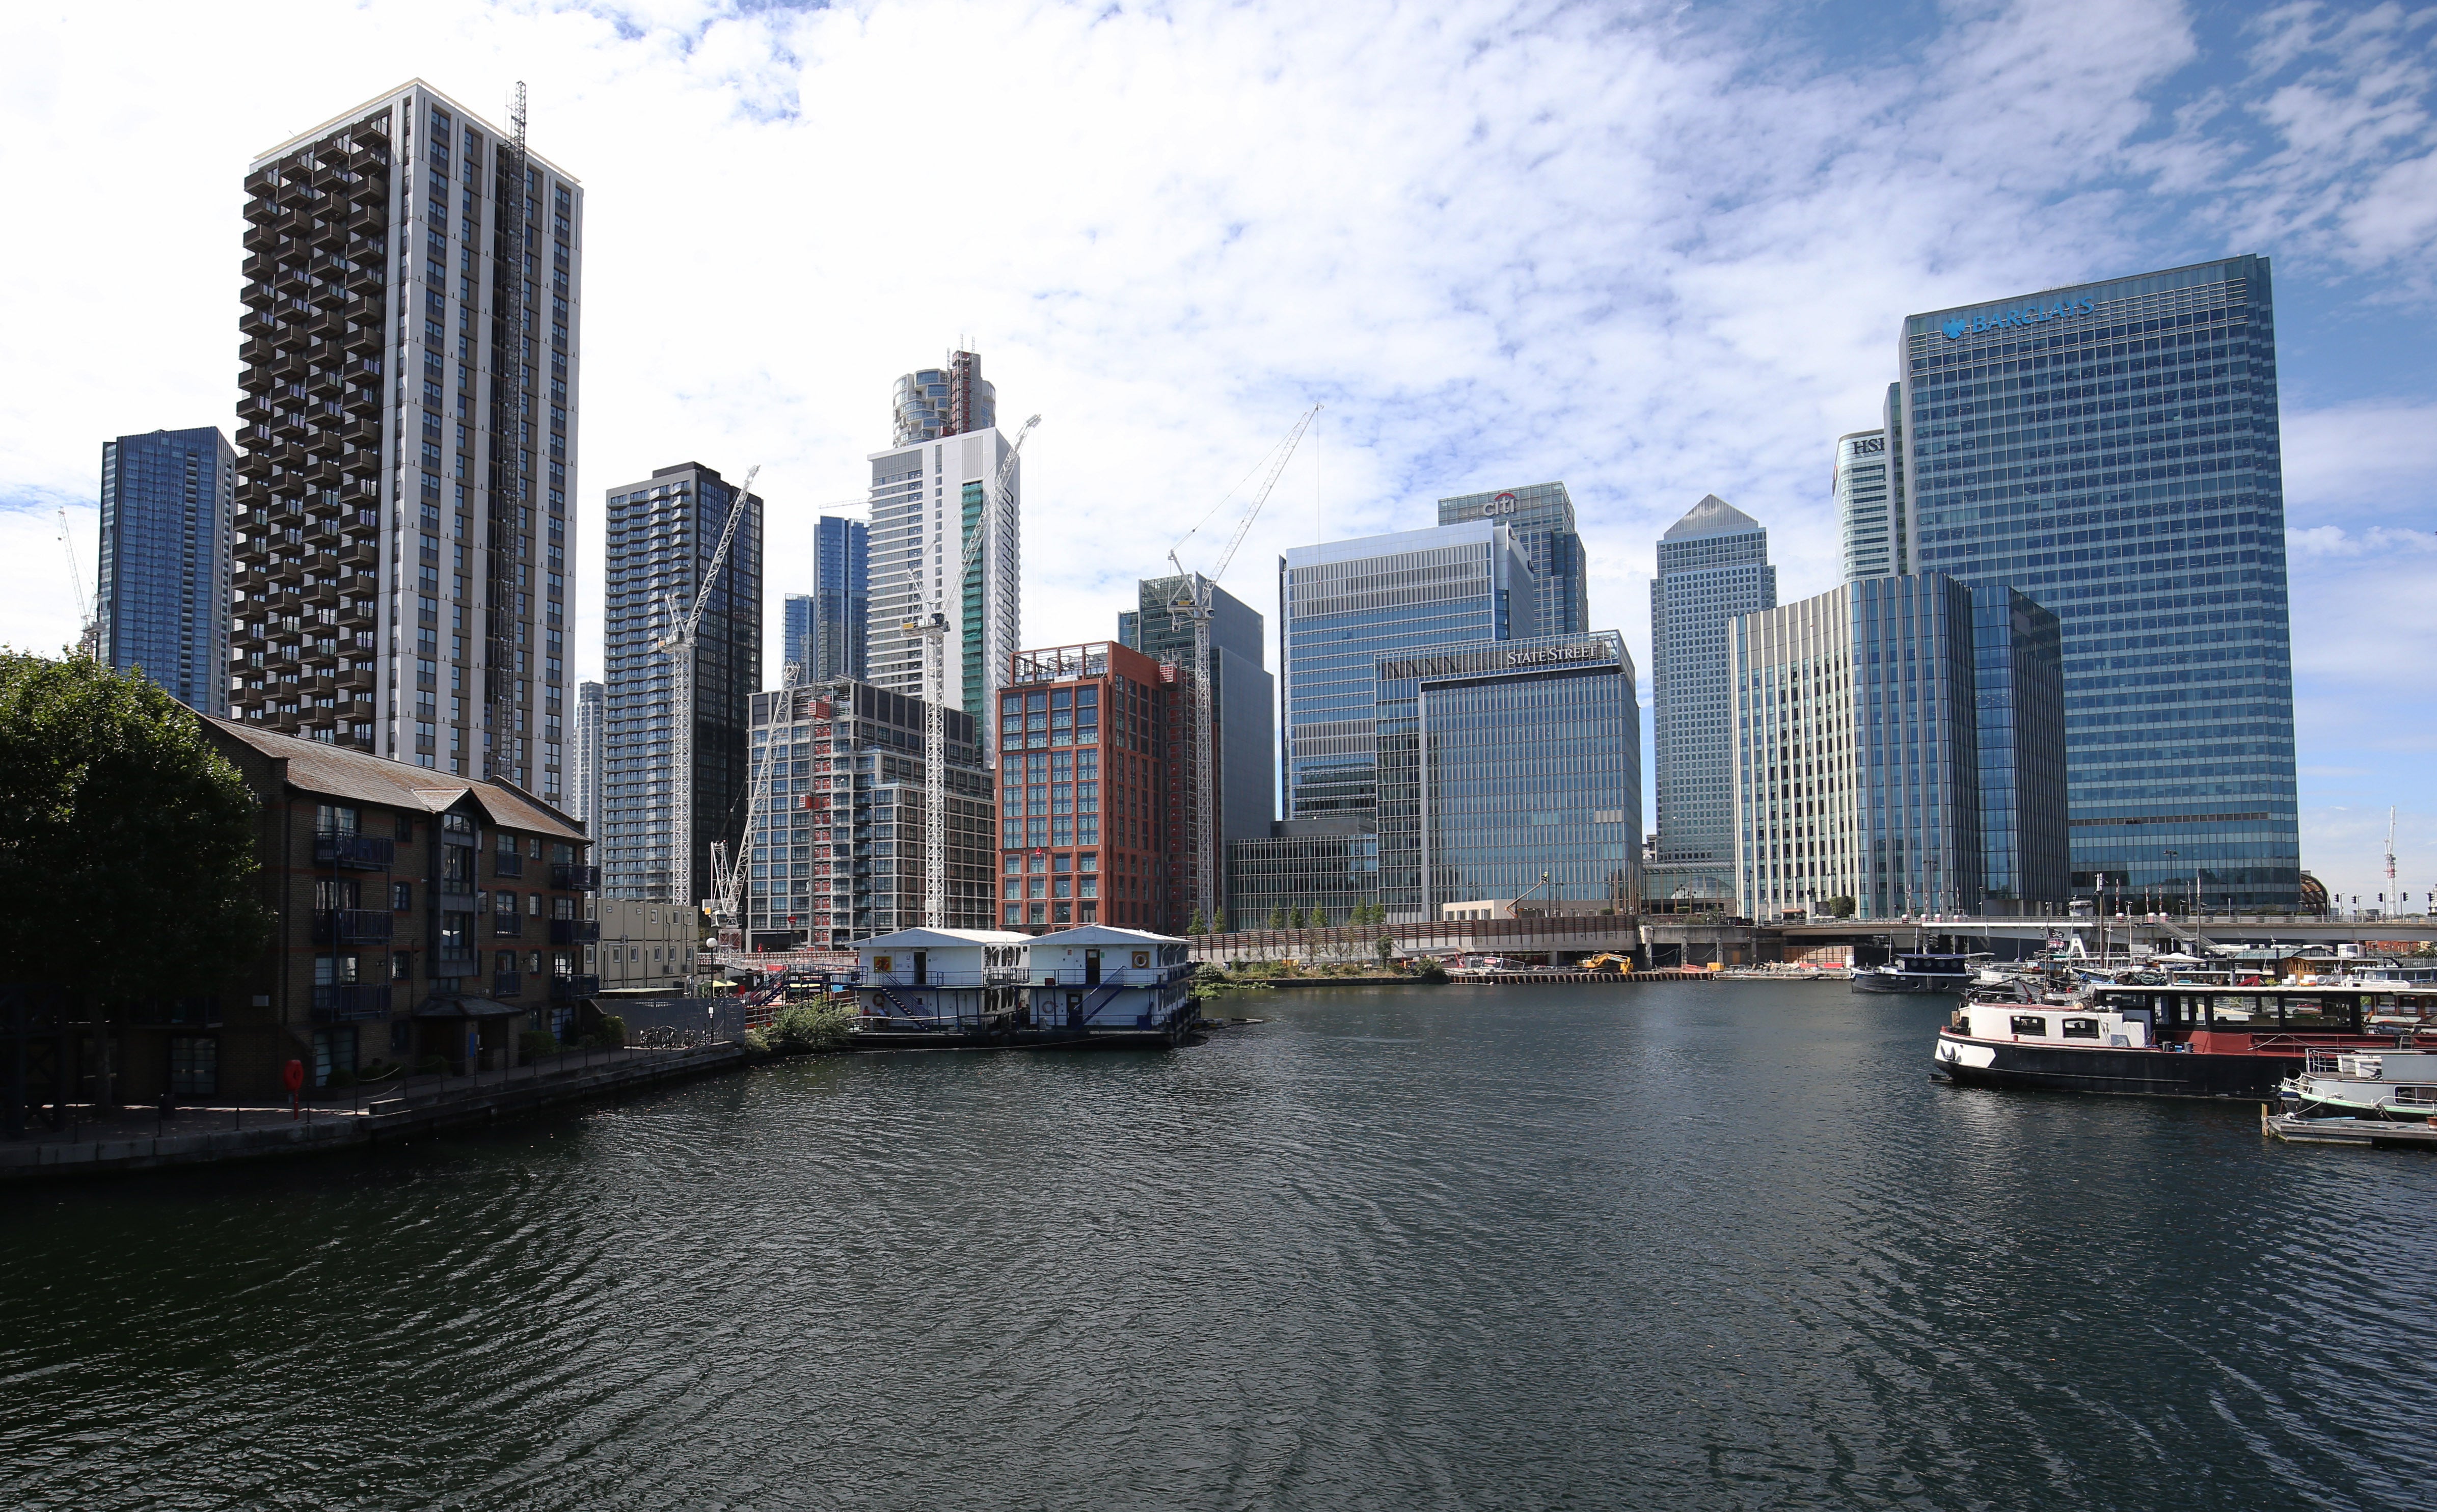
(1343, 604)
(1510, 769)
(1713, 566)
(2017, 686)
(1857, 771)
(1541, 516)
(928, 500)
(661, 539)
(1243, 698)
(2112, 450)
(1316, 868)
(838, 848)
(161, 600)
(1865, 525)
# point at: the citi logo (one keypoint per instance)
(1959, 327)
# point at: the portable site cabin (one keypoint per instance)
(1098, 979)
(942, 980)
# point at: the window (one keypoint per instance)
(2029, 1024)
(2082, 1028)
(401, 967)
(194, 1066)
(334, 818)
(401, 896)
(405, 827)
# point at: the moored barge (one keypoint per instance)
(2181, 1039)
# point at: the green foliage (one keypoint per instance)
(128, 863)
(1197, 925)
(613, 1033)
(756, 1042)
(1433, 973)
(1277, 918)
(1294, 919)
(1387, 949)
(534, 1043)
(1838, 907)
(808, 1027)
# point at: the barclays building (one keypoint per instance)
(2112, 451)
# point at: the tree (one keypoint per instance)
(1197, 925)
(1294, 919)
(1837, 908)
(127, 864)
(1277, 918)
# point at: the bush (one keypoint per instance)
(807, 1029)
(613, 1033)
(534, 1043)
(756, 1042)
(341, 1077)
(1433, 973)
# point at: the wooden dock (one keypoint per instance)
(2374, 1132)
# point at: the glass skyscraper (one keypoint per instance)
(1242, 696)
(1713, 566)
(2112, 450)
(1542, 515)
(1508, 769)
(2018, 688)
(161, 601)
(1343, 604)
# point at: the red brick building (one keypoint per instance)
(1094, 790)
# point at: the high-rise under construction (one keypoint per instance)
(404, 500)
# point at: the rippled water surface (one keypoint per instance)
(1661, 1246)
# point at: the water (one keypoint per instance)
(1664, 1246)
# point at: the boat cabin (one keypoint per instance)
(2045, 1024)
(1100, 977)
(2355, 1008)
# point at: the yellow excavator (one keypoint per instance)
(1606, 961)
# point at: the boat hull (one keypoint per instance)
(1870, 982)
(2125, 1072)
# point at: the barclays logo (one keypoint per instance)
(2017, 317)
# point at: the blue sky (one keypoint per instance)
(1654, 251)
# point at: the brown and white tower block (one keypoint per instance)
(405, 499)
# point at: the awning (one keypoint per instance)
(466, 1008)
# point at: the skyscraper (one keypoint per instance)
(2018, 691)
(927, 500)
(584, 797)
(1713, 566)
(1242, 698)
(942, 401)
(408, 425)
(2111, 449)
(1510, 769)
(161, 600)
(1542, 515)
(832, 643)
(1343, 604)
(1865, 522)
(662, 533)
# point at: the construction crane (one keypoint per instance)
(1194, 601)
(88, 626)
(679, 646)
(933, 631)
(728, 876)
(2394, 899)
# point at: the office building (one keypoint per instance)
(407, 434)
(585, 792)
(826, 629)
(927, 500)
(942, 401)
(1713, 566)
(661, 537)
(161, 599)
(2112, 450)
(1510, 769)
(1866, 528)
(1094, 798)
(1322, 869)
(838, 843)
(2018, 690)
(1541, 516)
(1243, 706)
(1343, 604)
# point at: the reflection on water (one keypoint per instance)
(1668, 1245)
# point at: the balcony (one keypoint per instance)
(357, 676)
(349, 1003)
(575, 878)
(352, 926)
(456, 964)
(570, 988)
(363, 852)
(507, 926)
(505, 865)
(507, 984)
(574, 931)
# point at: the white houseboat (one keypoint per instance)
(1110, 987)
(942, 986)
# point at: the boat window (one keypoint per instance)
(2030, 1024)
(2417, 1097)
(2082, 1028)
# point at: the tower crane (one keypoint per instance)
(678, 646)
(1194, 601)
(88, 627)
(933, 631)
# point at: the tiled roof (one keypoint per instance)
(334, 771)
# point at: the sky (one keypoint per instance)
(1652, 251)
